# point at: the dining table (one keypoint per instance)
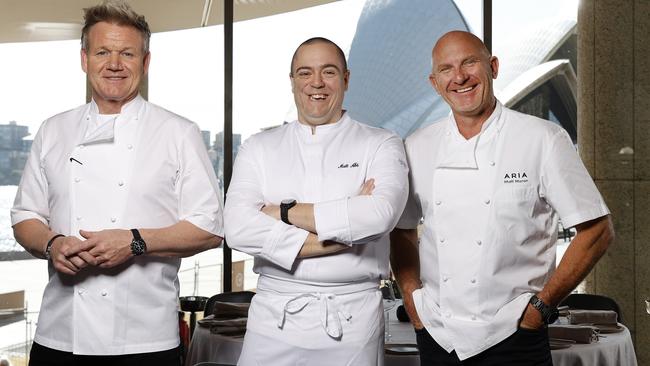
(610, 349)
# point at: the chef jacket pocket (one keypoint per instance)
(514, 213)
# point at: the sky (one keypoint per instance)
(41, 79)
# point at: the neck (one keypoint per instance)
(112, 106)
(470, 125)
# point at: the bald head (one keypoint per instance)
(462, 74)
(455, 38)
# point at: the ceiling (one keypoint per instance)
(48, 20)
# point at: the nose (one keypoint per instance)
(460, 76)
(317, 80)
(114, 62)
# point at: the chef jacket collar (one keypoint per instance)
(105, 132)
(459, 152)
(305, 130)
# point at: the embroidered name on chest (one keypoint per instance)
(515, 177)
(347, 165)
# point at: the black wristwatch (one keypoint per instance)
(138, 246)
(285, 205)
(549, 314)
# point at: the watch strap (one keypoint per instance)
(48, 247)
(547, 311)
(284, 211)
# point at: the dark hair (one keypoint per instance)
(117, 12)
(313, 40)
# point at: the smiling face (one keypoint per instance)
(462, 74)
(318, 82)
(115, 63)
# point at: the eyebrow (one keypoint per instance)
(324, 66)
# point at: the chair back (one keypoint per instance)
(592, 302)
(237, 296)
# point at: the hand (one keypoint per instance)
(531, 319)
(271, 210)
(409, 306)
(109, 247)
(72, 264)
(367, 187)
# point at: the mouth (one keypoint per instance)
(318, 97)
(465, 90)
(114, 78)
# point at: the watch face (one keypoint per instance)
(287, 201)
(138, 247)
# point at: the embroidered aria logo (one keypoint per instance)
(346, 165)
(515, 177)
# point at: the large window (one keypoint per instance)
(40, 80)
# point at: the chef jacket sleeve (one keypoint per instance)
(566, 184)
(248, 229)
(32, 195)
(198, 191)
(361, 219)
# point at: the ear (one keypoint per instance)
(145, 66)
(434, 83)
(346, 79)
(494, 65)
(84, 61)
(292, 81)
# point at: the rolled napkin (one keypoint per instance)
(230, 310)
(592, 316)
(578, 333)
(227, 327)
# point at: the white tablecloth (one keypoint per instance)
(614, 349)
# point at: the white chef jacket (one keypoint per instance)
(490, 206)
(145, 168)
(328, 169)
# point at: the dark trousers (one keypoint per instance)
(44, 356)
(526, 347)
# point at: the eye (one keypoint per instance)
(304, 74)
(329, 73)
(102, 53)
(127, 54)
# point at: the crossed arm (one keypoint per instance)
(109, 248)
(302, 216)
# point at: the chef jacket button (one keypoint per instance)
(438, 203)
(77, 180)
(80, 292)
(473, 317)
(487, 201)
(104, 292)
(113, 219)
(78, 218)
(442, 240)
(129, 146)
(445, 278)
(87, 118)
(492, 163)
(120, 183)
(473, 280)
(479, 242)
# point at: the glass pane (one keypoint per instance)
(538, 64)
(41, 79)
(186, 77)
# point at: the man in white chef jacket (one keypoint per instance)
(313, 201)
(490, 184)
(113, 194)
